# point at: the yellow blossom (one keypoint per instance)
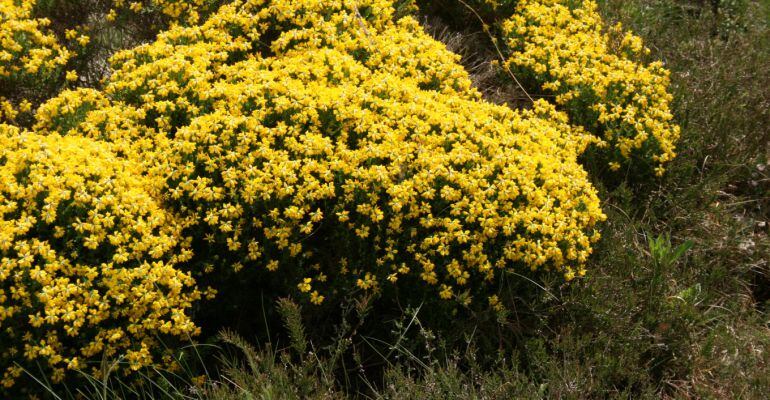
(304, 286)
(316, 298)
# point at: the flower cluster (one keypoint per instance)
(46, 46)
(597, 75)
(284, 128)
(29, 53)
(10, 112)
(87, 258)
(26, 47)
(186, 11)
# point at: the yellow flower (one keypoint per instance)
(316, 298)
(446, 292)
(25, 106)
(83, 40)
(29, 51)
(367, 282)
(495, 304)
(304, 286)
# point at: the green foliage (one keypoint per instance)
(663, 254)
(292, 319)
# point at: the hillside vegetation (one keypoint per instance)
(405, 199)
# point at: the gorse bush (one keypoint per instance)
(87, 258)
(597, 74)
(332, 125)
(334, 145)
(28, 48)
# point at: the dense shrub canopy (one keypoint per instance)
(87, 257)
(333, 124)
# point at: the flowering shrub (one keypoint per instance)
(87, 259)
(284, 127)
(29, 52)
(597, 76)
